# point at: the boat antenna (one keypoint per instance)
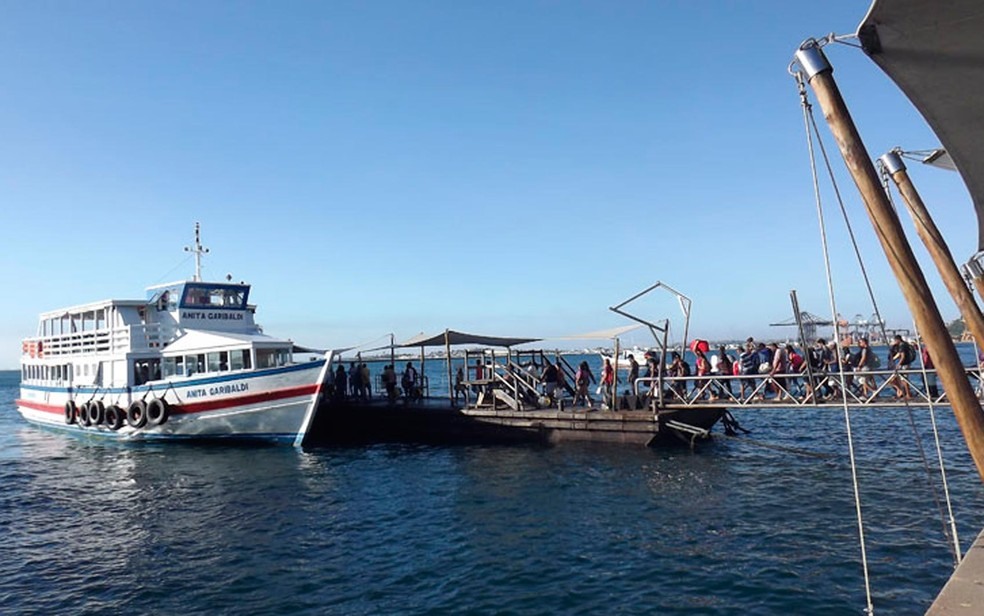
(199, 250)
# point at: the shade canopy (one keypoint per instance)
(601, 334)
(934, 52)
(455, 338)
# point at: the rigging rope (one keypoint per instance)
(947, 527)
(807, 118)
(949, 521)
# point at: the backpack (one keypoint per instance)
(908, 353)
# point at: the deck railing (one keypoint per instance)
(858, 389)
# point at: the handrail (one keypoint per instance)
(715, 389)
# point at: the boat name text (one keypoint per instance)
(201, 392)
(204, 314)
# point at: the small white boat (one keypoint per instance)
(187, 362)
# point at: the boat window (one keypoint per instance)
(271, 358)
(239, 360)
(194, 364)
(214, 363)
(173, 366)
(214, 296)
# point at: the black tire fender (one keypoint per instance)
(70, 412)
(114, 417)
(97, 412)
(158, 410)
(136, 414)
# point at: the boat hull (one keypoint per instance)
(266, 405)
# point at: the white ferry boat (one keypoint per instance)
(187, 362)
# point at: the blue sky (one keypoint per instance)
(509, 168)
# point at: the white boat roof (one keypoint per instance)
(202, 340)
(88, 307)
(934, 52)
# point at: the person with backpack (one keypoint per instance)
(901, 356)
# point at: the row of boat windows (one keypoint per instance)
(52, 373)
(223, 361)
(155, 369)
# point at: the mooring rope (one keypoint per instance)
(807, 118)
(949, 521)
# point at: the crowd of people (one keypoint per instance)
(782, 372)
(753, 370)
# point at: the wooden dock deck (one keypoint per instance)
(963, 594)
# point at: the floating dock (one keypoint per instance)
(435, 421)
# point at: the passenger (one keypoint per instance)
(796, 365)
(865, 362)
(583, 379)
(778, 371)
(365, 382)
(409, 383)
(702, 368)
(633, 373)
(749, 364)
(561, 380)
(931, 386)
(341, 383)
(608, 382)
(459, 384)
(389, 382)
(725, 368)
(355, 380)
(901, 356)
(678, 370)
(849, 362)
(549, 378)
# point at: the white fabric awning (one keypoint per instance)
(934, 52)
(601, 334)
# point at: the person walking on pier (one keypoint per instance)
(901, 356)
(365, 382)
(355, 380)
(409, 383)
(549, 378)
(724, 367)
(459, 384)
(608, 381)
(931, 386)
(582, 380)
(748, 362)
(866, 362)
(341, 383)
(633, 373)
(389, 382)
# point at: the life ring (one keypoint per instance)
(84, 415)
(97, 412)
(158, 411)
(70, 412)
(136, 414)
(114, 417)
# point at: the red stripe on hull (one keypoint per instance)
(214, 405)
(201, 407)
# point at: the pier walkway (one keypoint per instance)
(510, 385)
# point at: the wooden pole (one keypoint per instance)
(930, 234)
(447, 354)
(960, 394)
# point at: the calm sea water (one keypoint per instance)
(763, 524)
